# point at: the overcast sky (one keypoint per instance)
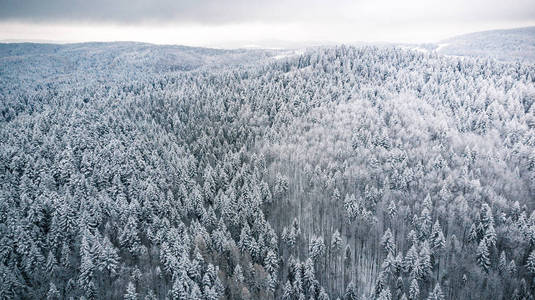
(248, 22)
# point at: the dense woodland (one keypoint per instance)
(341, 173)
(510, 45)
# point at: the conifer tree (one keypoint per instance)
(438, 242)
(316, 248)
(271, 283)
(130, 292)
(472, 235)
(287, 292)
(490, 235)
(336, 242)
(51, 263)
(108, 259)
(238, 273)
(512, 267)
(388, 243)
(424, 260)
(53, 293)
(483, 255)
(530, 263)
(502, 264)
(271, 262)
(351, 292)
(436, 294)
(129, 237)
(414, 290)
(323, 295)
(385, 294)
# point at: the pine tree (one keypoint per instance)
(392, 209)
(425, 223)
(472, 235)
(271, 283)
(65, 255)
(438, 242)
(502, 265)
(210, 293)
(381, 283)
(512, 267)
(281, 186)
(336, 242)
(389, 264)
(411, 259)
(195, 292)
(530, 263)
(245, 238)
(308, 272)
(129, 237)
(490, 235)
(399, 286)
(436, 294)
(388, 243)
(108, 259)
(412, 236)
(209, 218)
(220, 237)
(287, 292)
(424, 260)
(323, 294)
(34, 261)
(351, 207)
(267, 197)
(90, 290)
(87, 269)
(351, 292)
(209, 184)
(51, 263)
(151, 296)
(209, 275)
(181, 287)
(483, 255)
(316, 248)
(217, 284)
(238, 274)
(414, 290)
(53, 293)
(487, 218)
(385, 294)
(298, 280)
(271, 263)
(130, 292)
(336, 196)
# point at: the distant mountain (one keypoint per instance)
(504, 45)
(113, 61)
(110, 54)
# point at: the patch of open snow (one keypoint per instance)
(288, 54)
(440, 46)
(419, 49)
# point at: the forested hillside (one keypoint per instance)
(350, 173)
(506, 45)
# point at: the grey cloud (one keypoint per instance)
(238, 11)
(126, 11)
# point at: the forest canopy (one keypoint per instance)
(342, 172)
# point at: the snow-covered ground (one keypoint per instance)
(441, 46)
(289, 54)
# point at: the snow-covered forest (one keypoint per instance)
(134, 171)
